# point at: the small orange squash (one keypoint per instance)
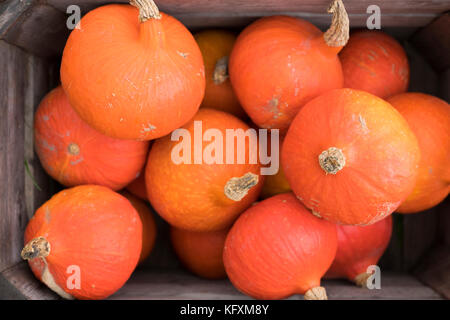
(350, 157)
(84, 242)
(73, 153)
(429, 119)
(148, 224)
(200, 252)
(375, 62)
(202, 196)
(133, 73)
(277, 248)
(277, 183)
(279, 63)
(216, 46)
(359, 248)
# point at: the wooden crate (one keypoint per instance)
(32, 36)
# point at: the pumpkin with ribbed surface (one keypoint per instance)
(84, 242)
(186, 183)
(200, 252)
(133, 72)
(350, 157)
(277, 248)
(216, 45)
(73, 153)
(429, 119)
(358, 249)
(375, 62)
(279, 63)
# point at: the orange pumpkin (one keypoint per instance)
(358, 249)
(279, 63)
(133, 73)
(73, 153)
(137, 187)
(148, 224)
(216, 46)
(84, 242)
(350, 157)
(275, 184)
(200, 252)
(375, 62)
(206, 195)
(429, 119)
(277, 248)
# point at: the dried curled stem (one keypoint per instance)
(332, 160)
(73, 149)
(361, 279)
(221, 70)
(147, 9)
(237, 188)
(338, 33)
(316, 293)
(36, 248)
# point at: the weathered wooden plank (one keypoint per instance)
(49, 23)
(152, 284)
(10, 11)
(23, 280)
(13, 218)
(38, 185)
(420, 233)
(433, 41)
(434, 270)
(235, 6)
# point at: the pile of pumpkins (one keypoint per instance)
(355, 148)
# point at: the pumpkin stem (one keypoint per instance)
(361, 279)
(221, 70)
(73, 149)
(147, 9)
(338, 33)
(332, 160)
(36, 248)
(316, 293)
(237, 188)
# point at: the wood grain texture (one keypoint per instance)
(13, 218)
(38, 185)
(40, 30)
(434, 270)
(199, 14)
(151, 284)
(234, 6)
(10, 11)
(433, 42)
(23, 280)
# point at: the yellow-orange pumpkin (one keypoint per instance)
(133, 73)
(200, 252)
(350, 157)
(216, 45)
(429, 119)
(73, 153)
(203, 196)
